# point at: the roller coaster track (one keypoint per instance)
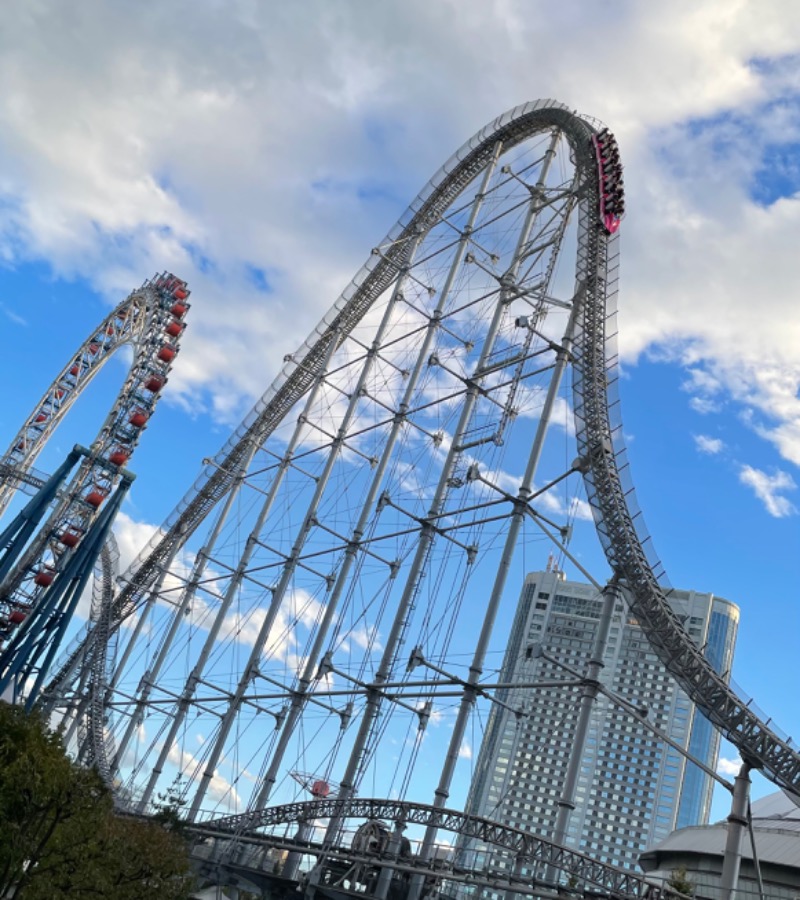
(600, 444)
(537, 853)
(602, 447)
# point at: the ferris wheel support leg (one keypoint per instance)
(426, 535)
(152, 674)
(83, 563)
(498, 588)
(42, 631)
(16, 535)
(737, 822)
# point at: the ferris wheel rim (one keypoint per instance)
(150, 319)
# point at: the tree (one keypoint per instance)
(168, 807)
(679, 881)
(60, 835)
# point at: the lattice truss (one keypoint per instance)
(384, 489)
(38, 561)
(360, 526)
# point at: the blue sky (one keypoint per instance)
(261, 152)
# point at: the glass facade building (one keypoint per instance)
(633, 789)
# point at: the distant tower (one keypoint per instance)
(633, 790)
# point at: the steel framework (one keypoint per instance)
(34, 596)
(365, 505)
(536, 852)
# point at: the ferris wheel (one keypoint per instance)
(354, 543)
(35, 602)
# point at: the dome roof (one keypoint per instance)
(776, 824)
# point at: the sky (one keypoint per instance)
(259, 150)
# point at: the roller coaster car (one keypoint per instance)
(609, 175)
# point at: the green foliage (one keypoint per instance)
(679, 881)
(168, 807)
(59, 834)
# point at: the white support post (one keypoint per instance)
(737, 822)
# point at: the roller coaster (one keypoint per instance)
(362, 523)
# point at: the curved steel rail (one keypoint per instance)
(600, 444)
(303, 367)
(536, 852)
(100, 664)
(623, 536)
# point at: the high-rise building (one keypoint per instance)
(633, 789)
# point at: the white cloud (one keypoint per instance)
(12, 316)
(219, 788)
(703, 405)
(266, 157)
(299, 609)
(729, 766)
(465, 751)
(131, 537)
(709, 445)
(706, 390)
(363, 636)
(768, 489)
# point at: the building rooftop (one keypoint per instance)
(776, 824)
